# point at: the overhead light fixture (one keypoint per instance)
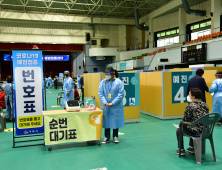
(12, 42)
(53, 43)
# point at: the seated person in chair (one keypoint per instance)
(194, 111)
(76, 93)
(2, 99)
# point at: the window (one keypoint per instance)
(173, 32)
(196, 26)
(200, 25)
(195, 35)
(203, 25)
(163, 34)
(167, 41)
(208, 23)
(168, 33)
(161, 42)
(94, 42)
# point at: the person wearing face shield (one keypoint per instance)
(216, 88)
(111, 94)
(68, 87)
(194, 111)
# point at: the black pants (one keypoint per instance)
(82, 94)
(178, 137)
(107, 133)
(55, 84)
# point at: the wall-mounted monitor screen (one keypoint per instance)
(6, 57)
(47, 57)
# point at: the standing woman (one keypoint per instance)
(8, 99)
(68, 89)
(111, 93)
(216, 87)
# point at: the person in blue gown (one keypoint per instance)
(216, 88)
(49, 80)
(111, 94)
(8, 99)
(68, 87)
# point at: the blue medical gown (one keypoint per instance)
(216, 87)
(8, 95)
(49, 81)
(113, 117)
(64, 81)
(68, 88)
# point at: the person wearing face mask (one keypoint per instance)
(68, 87)
(216, 88)
(194, 111)
(111, 93)
(49, 80)
(198, 82)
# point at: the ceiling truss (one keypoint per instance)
(100, 8)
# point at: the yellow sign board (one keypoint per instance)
(30, 121)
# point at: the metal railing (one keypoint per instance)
(154, 44)
(169, 45)
(217, 29)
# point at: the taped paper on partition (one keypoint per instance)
(176, 126)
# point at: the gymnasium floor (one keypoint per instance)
(150, 144)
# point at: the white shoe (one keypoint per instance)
(115, 140)
(105, 140)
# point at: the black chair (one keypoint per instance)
(208, 122)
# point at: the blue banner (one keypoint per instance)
(47, 57)
(180, 82)
(56, 57)
(28, 92)
(132, 88)
(61, 76)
